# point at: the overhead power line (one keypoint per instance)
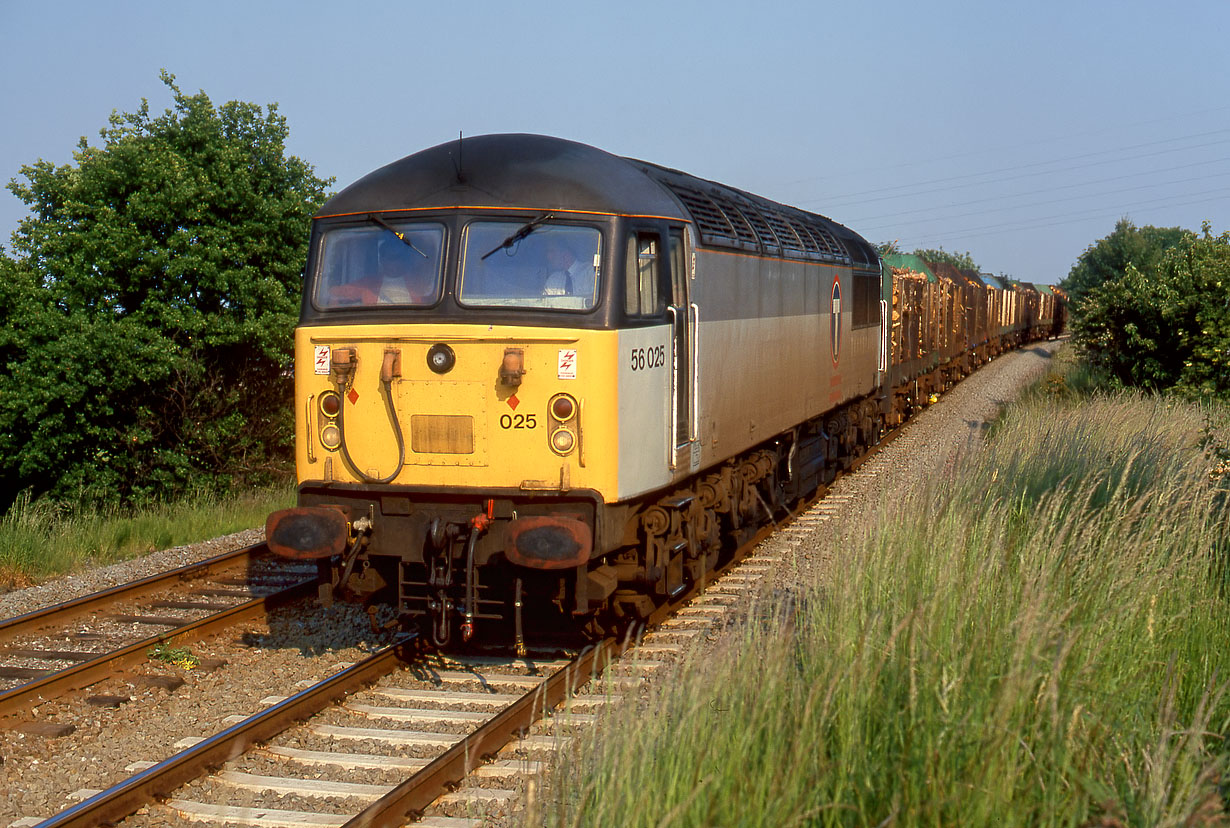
(1204, 197)
(896, 190)
(1117, 128)
(1008, 202)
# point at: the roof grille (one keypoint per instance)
(764, 233)
(731, 218)
(805, 237)
(745, 230)
(711, 221)
(785, 233)
(824, 239)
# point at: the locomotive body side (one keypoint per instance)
(776, 348)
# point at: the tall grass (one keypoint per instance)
(1041, 638)
(41, 539)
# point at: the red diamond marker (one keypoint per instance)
(353, 396)
(513, 402)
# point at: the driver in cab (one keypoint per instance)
(404, 276)
(566, 275)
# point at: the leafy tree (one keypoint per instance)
(1199, 267)
(1169, 329)
(150, 304)
(1122, 329)
(887, 248)
(961, 261)
(1109, 258)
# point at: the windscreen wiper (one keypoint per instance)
(520, 234)
(404, 238)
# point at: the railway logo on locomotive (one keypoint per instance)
(835, 322)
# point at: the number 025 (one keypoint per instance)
(518, 421)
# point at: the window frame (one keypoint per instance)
(520, 221)
(659, 278)
(317, 281)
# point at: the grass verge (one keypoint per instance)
(42, 539)
(1040, 638)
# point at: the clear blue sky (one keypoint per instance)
(1019, 132)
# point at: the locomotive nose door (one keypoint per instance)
(685, 324)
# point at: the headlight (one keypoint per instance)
(331, 436)
(441, 359)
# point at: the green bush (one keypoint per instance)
(1166, 327)
(1108, 259)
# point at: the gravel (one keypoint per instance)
(304, 644)
(299, 646)
(58, 590)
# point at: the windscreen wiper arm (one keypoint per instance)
(520, 234)
(404, 238)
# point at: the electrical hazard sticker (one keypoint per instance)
(568, 363)
(321, 358)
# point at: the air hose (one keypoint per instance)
(388, 370)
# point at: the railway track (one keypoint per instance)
(435, 742)
(73, 645)
(405, 734)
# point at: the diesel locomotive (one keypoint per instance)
(530, 373)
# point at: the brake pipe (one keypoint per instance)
(478, 525)
(388, 370)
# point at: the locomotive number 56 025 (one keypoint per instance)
(642, 359)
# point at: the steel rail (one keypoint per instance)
(108, 664)
(451, 767)
(69, 611)
(125, 798)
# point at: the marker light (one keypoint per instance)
(563, 407)
(331, 437)
(330, 403)
(562, 441)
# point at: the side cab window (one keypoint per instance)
(644, 272)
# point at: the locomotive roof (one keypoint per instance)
(548, 173)
(507, 171)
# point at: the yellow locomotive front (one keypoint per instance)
(454, 403)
